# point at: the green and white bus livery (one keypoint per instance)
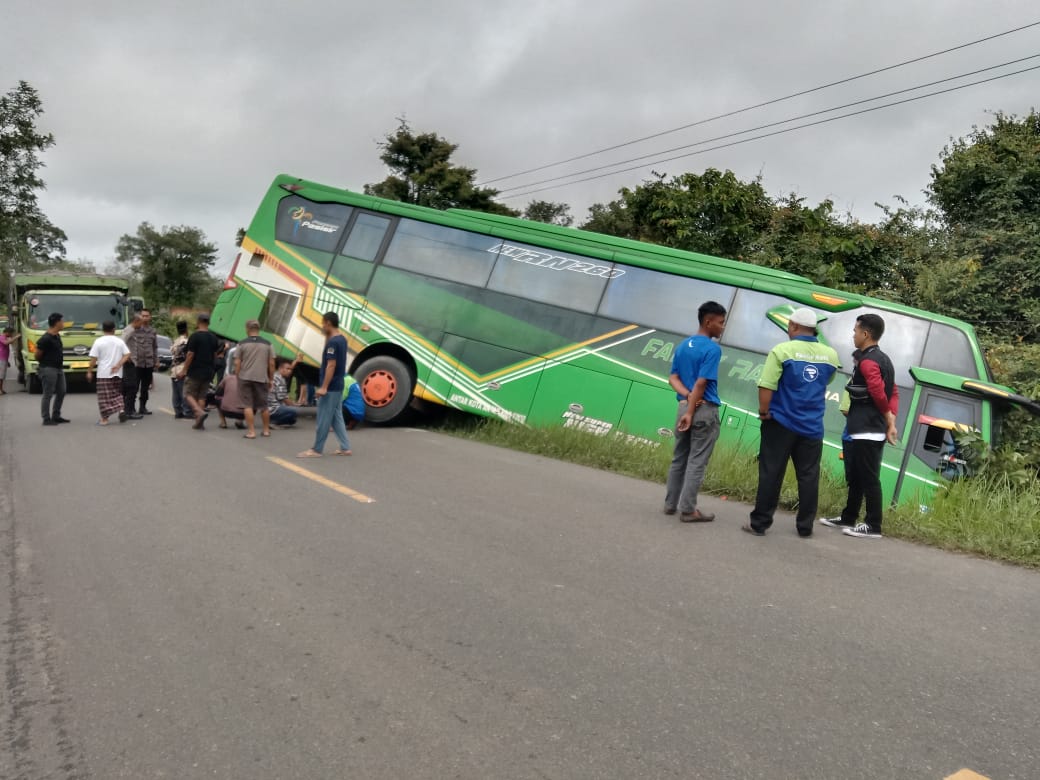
(543, 325)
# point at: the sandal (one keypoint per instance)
(224, 426)
(266, 435)
(247, 436)
(343, 452)
(309, 454)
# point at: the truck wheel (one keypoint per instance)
(386, 385)
(35, 385)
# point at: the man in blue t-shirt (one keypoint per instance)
(330, 389)
(695, 379)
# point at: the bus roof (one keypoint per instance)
(733, 272)
(70, 281)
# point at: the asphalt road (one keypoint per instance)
(176, 604)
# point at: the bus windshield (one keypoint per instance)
(81, 312)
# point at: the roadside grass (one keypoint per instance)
(987, 516)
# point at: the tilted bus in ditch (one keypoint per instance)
(543, 325)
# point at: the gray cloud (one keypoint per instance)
(182, 113)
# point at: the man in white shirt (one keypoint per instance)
(108, 355)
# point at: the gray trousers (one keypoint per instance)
(693, 449)
(53, 381)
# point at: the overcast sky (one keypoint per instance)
(181, 113)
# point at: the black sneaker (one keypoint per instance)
(133, 416)
(49, 421)
(748, 528)
(835, 522)
(123, 417)
(60, 419)
(145, 411)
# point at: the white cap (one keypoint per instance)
(804, 317)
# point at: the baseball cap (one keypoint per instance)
(804, 316)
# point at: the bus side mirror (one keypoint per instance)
(934, 439)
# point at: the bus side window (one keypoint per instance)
(352, 267)
(948, 350)
(933, 442)
(663, 301)
(442, 252)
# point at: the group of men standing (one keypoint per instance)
(792, 402)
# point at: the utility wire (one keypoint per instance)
(763, 104)
(768, 125)
(777, 132)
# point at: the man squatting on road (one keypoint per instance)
(694, 377)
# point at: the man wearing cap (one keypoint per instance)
(50, 354)
(792, 400)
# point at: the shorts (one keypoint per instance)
(195, 387)
(252, 395)
(3, 369)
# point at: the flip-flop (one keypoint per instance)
(101, 424)
(247, 436)
(309, 454)
(266, 435)
(343, 452)
(223, 425)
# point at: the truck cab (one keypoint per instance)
(85, 301)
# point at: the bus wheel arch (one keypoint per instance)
(386, 374)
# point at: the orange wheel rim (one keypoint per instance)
(379, 388)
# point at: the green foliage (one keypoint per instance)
(173, 264)
(28, 240)
(549, 212)
(714, 213)
(987, 190)
(421, 172)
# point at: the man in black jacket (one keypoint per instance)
(871, 422)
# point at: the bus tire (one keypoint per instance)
(35, 385)
(387, 386)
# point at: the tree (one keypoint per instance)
(28, 240)
(987, 191)
(421, 172)
(173, 264)
(549, 212)
(714, 213)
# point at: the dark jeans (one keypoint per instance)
(130, 388)
(283, 415)
(863, 472)
(144, 382)
(53, 381)
(778, 446)
(693, 449)
(180, 406)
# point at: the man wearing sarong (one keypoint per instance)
(108, 356)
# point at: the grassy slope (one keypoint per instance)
(985, 517)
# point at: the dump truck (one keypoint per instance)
(85, 301)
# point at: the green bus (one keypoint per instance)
(543, 325)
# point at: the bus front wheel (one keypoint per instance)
(386, 385)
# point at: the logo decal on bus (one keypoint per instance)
(304, 219)
(556, 262)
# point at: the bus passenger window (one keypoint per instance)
(552, 277)
(748, 327)
(442, 252)
(353, 265)
(948, 350)
(660, 300)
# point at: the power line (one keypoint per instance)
(763, 104)
(777, 132)
(769, 124)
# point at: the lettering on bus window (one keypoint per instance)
(660, 300)
(442, 252)
(949, 350)
(308, 224)
(353, 265)
(551, 277)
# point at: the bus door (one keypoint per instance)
(933, 419)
